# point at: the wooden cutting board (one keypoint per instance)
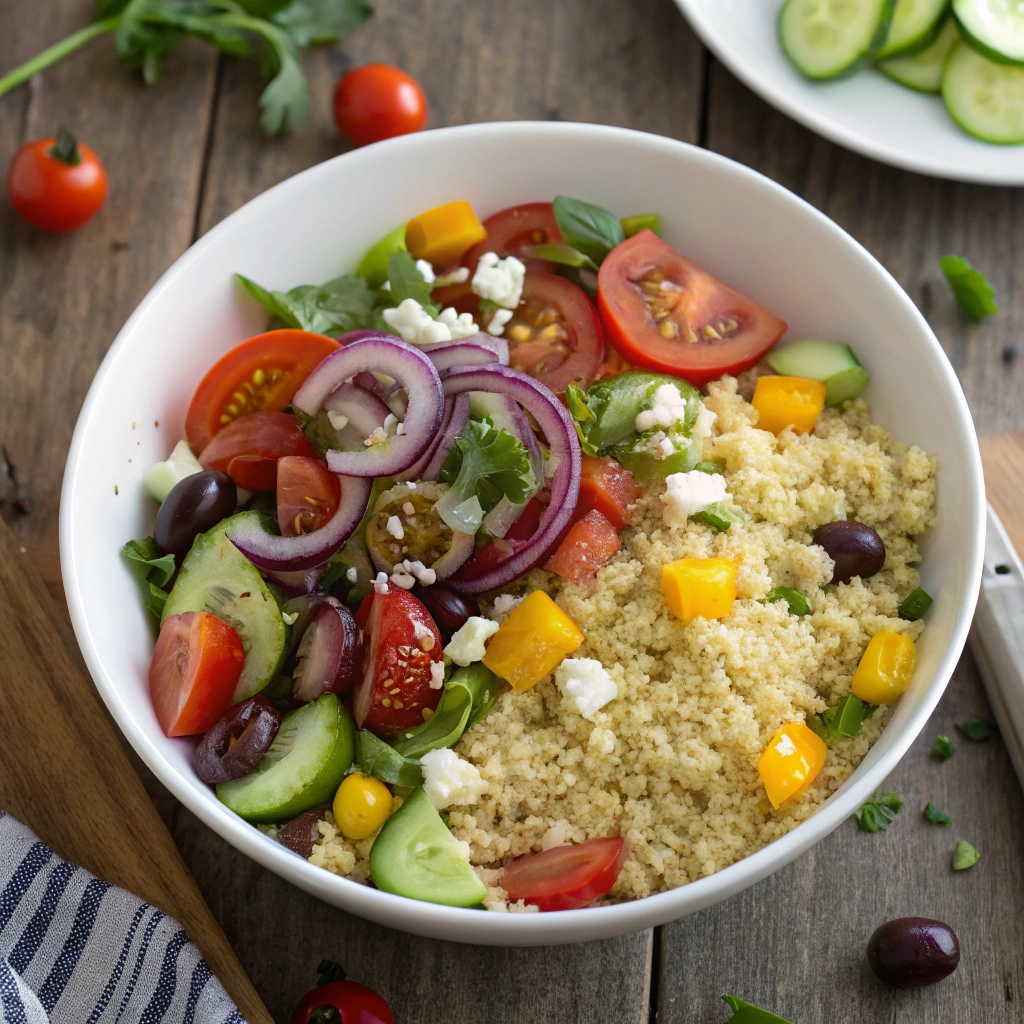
(1003, 459)
(64, 773)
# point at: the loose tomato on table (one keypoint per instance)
(510, 232)
(378, 101)
(664, 313)
(196, 664)
(337, 1001)
(259, 375)
(589, 543)
(248, 448)
(308, 495)
(567, 877)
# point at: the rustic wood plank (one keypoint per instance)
(1003, 457)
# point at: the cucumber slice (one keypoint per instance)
(828, 38)
(994, 28)
(915, 24)
(923, 71)
(216, 577)
(828, 361)
(985, 98)
(304, 766)
(416, 856)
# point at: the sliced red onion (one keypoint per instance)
(365, 411)
(557, 426)
(386, 388)
(476, 350)
(272, 553)
(351, 336)
(329, 654)
(415, 471)
(458, 554)
(412, 370)
(456, 425)
(304, 608)
(296, 584)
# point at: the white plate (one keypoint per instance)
(866, 112)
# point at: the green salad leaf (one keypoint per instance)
(344, 304)
(407, 283)
(588, 228)
(878, 814)
(382, 761)
(964, 856)
(747, 1013)
(974, 294)
(158, 570)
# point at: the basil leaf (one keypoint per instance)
(719, 516)
(341, 305)
(943, 748)
(798, 604)
(964, 856)
(557, 253)
(748, 1013)
(935, 816)
(590, 229)
(159, 569)
(977, 728)
(407, 282)
(382, 761)
(974, 294)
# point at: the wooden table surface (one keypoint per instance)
(184, 154)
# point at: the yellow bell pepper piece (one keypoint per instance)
(699, 587)
(441, 235)
(790, 762)
(884, 671)
(788, 402)
(361, 805)
(532, 642)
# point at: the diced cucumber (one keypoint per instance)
(923, 71)
(303, 767)
(216, 577)
(985, 98)
(994, 28)
(915, 24)
(161, 477)
(829, 361)
(828, 38)
(416, 856)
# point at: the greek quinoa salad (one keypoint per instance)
(522, 568)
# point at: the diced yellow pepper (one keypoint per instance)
(441, 235)
(790, 762)
(532, 642)
(699, 587)
(788, 402)
(884, 671)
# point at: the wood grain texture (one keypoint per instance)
(1003, 458)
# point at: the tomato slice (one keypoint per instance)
(554, 335)
(664, 313)
(308, 495)
(529, 519)
(195, 668)
(587, 546)
(608, 487)
(248, 448)
(262, 373)
(403, 641)
(567, 877)
(511, 231)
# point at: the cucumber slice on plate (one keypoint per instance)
(993, 27)
(828, 38)
(829, 361)
(915, 24)
(985, 98)
(923, 71)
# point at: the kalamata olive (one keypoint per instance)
(301, 833)
(329, 654)
(449, 609)
(193, 506)
(252, 725)
(913, 951)
(855, 548)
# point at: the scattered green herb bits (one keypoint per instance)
(964, 856)
(977, 729)
(915, 604)
(935, 816)
(943, 748)
(878, 814)
(798, 604)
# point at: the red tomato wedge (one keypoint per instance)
(587, 546)
(664, 313)
(261, 374)
(248, 448)
(308, 494)
(567, 877)
(402, 642)
(511, 231)
(195, 668)
(608, 487)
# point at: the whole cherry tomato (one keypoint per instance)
(378, 101)
(56, 184)
(340, 1001)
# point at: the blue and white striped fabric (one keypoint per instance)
(76, 950)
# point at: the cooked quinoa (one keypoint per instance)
(671, 763)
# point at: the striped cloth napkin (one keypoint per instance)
(76, 950)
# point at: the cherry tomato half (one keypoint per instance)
(378, 101)
(609, 488)
(248, 448)
(590, 542)
(56, 184)
(308, 494)
(511, 231)
(567, 877)
(355, 1003)
(664, 313)
(261, 374)
(195, 668)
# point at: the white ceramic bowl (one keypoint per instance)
(741, 226)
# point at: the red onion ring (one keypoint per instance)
(476, 350)
(412, 370)
(268, 551)
(297, 584)
(365, 411)
(456, 425)
(415, 471)
(389, 391)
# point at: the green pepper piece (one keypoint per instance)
(640, 222)
(374, 265)
(798, 604)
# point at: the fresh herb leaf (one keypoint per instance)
(935, 816)
(328, 971)
(964, 856)
(582, 416)
(878, 814)
(915, 604)
(641, 222)
(344, 304)
(977, 728)
(159, 569)
(312, 22)
(974, 293)
(748, 1013)
(844, 719)
(943, 748)
(382, 761)
(590, 229)
(566, 255)
(407, 283)
(719, 516)
(716, 467)
(798, 604)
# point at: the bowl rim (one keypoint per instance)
(472, 925)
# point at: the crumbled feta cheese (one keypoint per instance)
(449, 780)
(417, 569)
(411, 484)
(587, 683)
(395, 528)
(704, 422)
(503, 604)
(426, 271)
(602, 741)
(666, 447)
(390, 423)
(785, 746)
(386, 286)
(289, 618)
(460, 325)
(338, 420)
(161, 477)
(436, 675)
(380, 584)
(400, 429)
(468, 643)
(687, 493)
(668, 408)
(351, 574)
(409, 508)
(458, 276)
(379, 436)
(403, 580)
(415, 325)
(498, 321)
(499, 280)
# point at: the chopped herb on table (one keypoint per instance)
(943, 748)
(977, 728)
(878, 814)
(747, 1013)
(964, 856)
(935, 816)
(974, 294)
